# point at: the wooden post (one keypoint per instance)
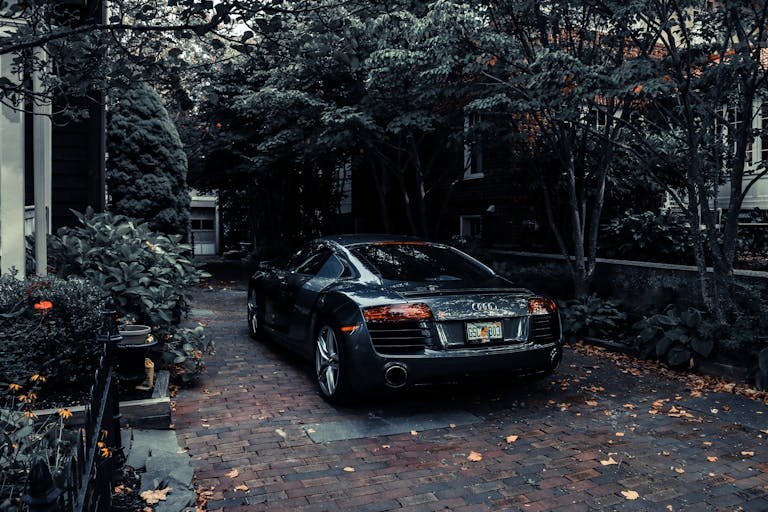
(42, 171)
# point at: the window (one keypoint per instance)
(735, 122)
(471, 226)
(473, 147)
(314, 263)
(333, 268)
(419, 262)
(202, 224)
(763, 135)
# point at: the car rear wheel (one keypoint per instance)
(329, 365)
(254, 324)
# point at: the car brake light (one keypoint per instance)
(541, 306)
(397, 313)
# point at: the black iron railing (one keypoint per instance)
(84, 484)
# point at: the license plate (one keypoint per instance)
(483, 332)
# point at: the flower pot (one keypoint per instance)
(134, 334)
(132, 350)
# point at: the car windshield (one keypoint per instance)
(419, 262)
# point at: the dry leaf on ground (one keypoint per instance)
(414, 433)
(609, 462)
(349, 469)
(512, 439)
(155, 496)
(591, 403)
(630, 495)
(619, 434)
(712, 459)
(233, 473)
(474, 457)
(281, 433)
(747, 454)
(242, 487)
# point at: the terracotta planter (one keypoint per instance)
(134, 334)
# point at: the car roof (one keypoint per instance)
(367, 238)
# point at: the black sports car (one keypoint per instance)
(387, 312)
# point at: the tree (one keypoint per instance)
(568, 76)
(711, 63)
(147, 167)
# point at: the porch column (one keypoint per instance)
(11, 180)
(42, 171)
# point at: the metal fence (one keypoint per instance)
(97, 452)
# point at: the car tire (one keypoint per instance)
(255, 329)
(330, 368)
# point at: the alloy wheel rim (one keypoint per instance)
(327, 361)
(252, 318)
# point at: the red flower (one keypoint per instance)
(44, 305)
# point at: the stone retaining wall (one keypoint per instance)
(634, 282)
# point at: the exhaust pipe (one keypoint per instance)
(396, 375)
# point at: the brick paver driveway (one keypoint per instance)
(585, 438)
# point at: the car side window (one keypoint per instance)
(333, 268)
(313, 263)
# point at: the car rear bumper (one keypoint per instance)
(374, 370)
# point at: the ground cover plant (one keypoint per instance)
(27, 442)
(150, 276)
(591, 316)
(48, 326)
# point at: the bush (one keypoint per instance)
(676, 338)
(147, 168)
(183, 354)
(48, 326)
(26, 441)
(647, 237)
(149, 274)
(590, 316)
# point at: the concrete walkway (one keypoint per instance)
(597, 436)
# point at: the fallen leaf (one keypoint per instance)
(678, 470)
(451, 425)
(155, 496)
(665, 453)
(474, 457)
(609, 462)
(714, 411)
(310, 430)
(712, 459)
(631, 407)
(748, 454)
(349, 469)
(414, 433)
(764, 431)
(591, 403)
(512, 439)
(669, 507)
(707, 443)
(281, 433)
(630, 495)
(242, 487)
(385, 446)
(619, 434)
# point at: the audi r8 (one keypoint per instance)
(376, 312)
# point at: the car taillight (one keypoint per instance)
(541, 306)
(397, 313)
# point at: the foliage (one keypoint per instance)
(149, 274)
(761, 372)
(646, 237)
(183, 354)
(26, 441)
(147, 167)
(591, 316)
(49, 326)
(676, 337)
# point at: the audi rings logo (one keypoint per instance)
(484, 306)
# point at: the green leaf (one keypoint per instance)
(702, 347)
(678, 356)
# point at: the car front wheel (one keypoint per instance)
(329, 365)
(254, 325)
